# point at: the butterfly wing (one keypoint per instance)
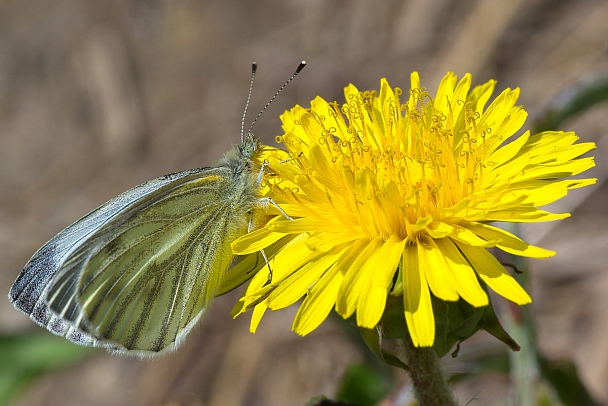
(137, 273)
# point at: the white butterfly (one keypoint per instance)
(136, 274)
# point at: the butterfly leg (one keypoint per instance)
(269, 199)
(275, 204)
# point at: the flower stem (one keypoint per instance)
(430, 385)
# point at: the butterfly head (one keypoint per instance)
(249, 145)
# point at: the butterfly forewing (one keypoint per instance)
(138, 272)
(27, 291)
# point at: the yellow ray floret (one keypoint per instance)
(392, 194)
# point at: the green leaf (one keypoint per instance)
(362, 385)
(563, 376)
(25, 357)
(575, 100)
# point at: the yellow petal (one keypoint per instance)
(527, 214)
(301, 225)
(255, 241)
(458, 233)
(556, 171)
(291, 258)
(297, 284)
(460, 95)
(326, 241)
(543, 192)
(372, 299)
(436, 272)
(319, 302)
(494, 274)
(509, 242)
(256, 317)
(445, 92)
(480, 95)
(505, 154)
(359, 274)
(417, 300)
(464, 278)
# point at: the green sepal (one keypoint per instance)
(454, 323)
(492, 325)
(457, 321)
(373, 339)
(392, 324)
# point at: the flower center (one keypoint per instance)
(395, 166)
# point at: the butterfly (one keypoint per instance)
(136, 274)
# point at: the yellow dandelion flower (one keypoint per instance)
(392, 195)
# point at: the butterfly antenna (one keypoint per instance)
(254, 67)
(298, 70)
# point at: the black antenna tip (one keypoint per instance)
(300, 66)
(254, 67)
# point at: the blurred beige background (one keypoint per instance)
(97, 97)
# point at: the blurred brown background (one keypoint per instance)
(96, 97)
